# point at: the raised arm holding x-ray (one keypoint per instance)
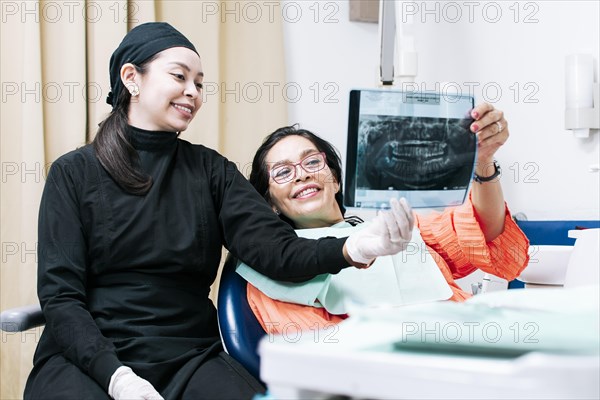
(492, 132)
(391, 231)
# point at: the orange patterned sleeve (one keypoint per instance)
(456, 237)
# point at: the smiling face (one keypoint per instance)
(169, 91)
(308, 199)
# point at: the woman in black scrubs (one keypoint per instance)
(130, 235)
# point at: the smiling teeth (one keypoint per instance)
(189, 110)
(306, 192)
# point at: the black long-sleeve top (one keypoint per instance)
(124, 279)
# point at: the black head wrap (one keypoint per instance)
(141, 43)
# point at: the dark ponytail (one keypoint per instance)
(115, 153)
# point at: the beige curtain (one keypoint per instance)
(54, 77)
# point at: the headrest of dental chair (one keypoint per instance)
(238, 327)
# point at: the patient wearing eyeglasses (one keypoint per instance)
(300, 176)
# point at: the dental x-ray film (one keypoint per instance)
(415, 145)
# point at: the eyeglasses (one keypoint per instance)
(287, 172)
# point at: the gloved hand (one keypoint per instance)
(126, 385)
(389, 233)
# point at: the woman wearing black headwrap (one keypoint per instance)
(130, 236)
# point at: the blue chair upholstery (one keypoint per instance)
(239, 329)
(553, 232)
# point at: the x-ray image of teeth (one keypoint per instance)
(414, 153)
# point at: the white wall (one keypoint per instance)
(545, 168)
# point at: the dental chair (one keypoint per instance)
(551, 252)
(545, 233)
(239, 329)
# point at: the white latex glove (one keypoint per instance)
(389, 233)
(126, 385)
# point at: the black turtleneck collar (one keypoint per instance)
(142, 139)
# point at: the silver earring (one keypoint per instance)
(277, 212)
